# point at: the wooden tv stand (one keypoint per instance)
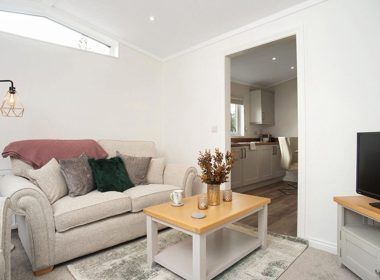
(359, 235)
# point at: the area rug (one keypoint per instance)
(128, 261)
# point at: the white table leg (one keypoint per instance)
(263, 226)
(199, 257)
(152, 240)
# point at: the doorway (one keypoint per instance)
(262, 128)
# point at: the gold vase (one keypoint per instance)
(213, 195)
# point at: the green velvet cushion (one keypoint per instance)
(110, 175)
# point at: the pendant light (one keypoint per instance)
(11, 105)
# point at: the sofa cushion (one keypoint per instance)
(71, 212)
(78, 175)
(156, 169)
(20, 168)
(110, 174)
(147, 195)
(137, 168)
(50, 180)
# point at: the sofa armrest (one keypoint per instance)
(5, 242)
(181, 176)
(2, 265)
(38, 233)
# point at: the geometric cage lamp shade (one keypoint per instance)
(11, 105)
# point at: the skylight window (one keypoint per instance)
(44, 29)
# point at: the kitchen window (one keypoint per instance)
(237, 118)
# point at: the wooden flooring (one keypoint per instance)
(282, 212)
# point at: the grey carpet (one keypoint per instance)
(312, 265)
(129, 261)
(318, 265)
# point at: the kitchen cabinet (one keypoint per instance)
(254, 166)
(277, 169)
(250, 167)
(262, 107)
(237, 168)
(264, 163)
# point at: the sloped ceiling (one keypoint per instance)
(178, 24)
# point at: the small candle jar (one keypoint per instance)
(202, 202)
(227, 195)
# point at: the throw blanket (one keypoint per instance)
(38, 152)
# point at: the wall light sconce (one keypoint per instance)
(11, 105)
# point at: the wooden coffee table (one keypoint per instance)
(192, 258)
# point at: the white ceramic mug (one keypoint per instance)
(176, 196)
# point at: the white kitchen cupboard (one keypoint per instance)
(262, 107)
(254, 166)
(237, 168)
(264, 163)
(277, 169)
(251, 173)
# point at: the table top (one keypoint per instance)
(241, 205)
(359, 204)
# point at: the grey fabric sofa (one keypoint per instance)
(75, 226)
(5, 241)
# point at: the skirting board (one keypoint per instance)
(323, 245)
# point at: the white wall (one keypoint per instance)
(285, 108)
(68, 93)
(342, 85)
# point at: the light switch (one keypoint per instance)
(214, 129)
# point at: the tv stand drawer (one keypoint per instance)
(360, 256)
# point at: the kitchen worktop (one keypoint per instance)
(244, 144)
(244, 141)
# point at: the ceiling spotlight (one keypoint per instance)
(292, 67)
(274, 58)
(152, 18)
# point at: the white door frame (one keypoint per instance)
(298, 32)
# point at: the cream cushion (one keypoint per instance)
(50, 180)
(71, 212)
(156, 169)
(147, 195)
(20, 168)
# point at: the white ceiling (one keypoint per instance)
(256, 67)
(179, 24)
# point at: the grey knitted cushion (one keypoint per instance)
(137, 168)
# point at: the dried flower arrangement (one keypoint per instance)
(215, 167)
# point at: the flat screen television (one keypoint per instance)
(368, 165)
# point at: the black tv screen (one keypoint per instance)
(368, 164)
